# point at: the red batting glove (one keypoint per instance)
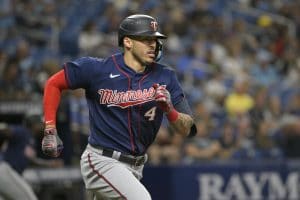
(163, 99)
(51, 143)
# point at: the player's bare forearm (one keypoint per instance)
(183, 124)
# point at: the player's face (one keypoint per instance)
(143, 49)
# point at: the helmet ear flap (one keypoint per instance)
(158, 50)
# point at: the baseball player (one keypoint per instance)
(12, 184)
(127, 94)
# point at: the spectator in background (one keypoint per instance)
(202, 147)
(228, 141)
(260, 108)
(208, 147)
(290, 128)
(11, 83)
(23, 57)
(245, 138)
(290, 137)
(165, 148)
(34, 21)
(17, 74)
(266, 145)
(293, 107)
(90, 39)
(6, 7)
(201, 111)
(48, 67)
(238, 102)
(274, 112)
(21, 150)
(233, 64)
(265, 125)
(3, 60)
(215, 93)
(263, 72)
(79, 120)
(12, 184)
(63, 126)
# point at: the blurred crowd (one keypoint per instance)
(238, 62)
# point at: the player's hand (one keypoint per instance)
(163, 98)
(51, 143)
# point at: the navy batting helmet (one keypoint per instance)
(140, 25)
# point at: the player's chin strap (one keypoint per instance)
(158, 50)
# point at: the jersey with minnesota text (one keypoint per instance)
(122, 111)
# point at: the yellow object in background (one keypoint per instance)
(264, 21)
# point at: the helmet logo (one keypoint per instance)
(154, 25)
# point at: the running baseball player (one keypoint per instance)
(127, 94)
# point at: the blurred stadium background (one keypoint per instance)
(238, 61)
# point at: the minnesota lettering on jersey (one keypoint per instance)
(125, 99)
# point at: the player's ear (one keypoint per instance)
(127, 42)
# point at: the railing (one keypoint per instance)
(253, 12)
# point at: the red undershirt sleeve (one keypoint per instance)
(52, 94)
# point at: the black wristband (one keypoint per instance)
(193, 131)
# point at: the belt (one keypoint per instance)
(128, 159)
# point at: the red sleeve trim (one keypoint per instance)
(52, 94)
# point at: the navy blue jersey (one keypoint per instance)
(15, 152)
(122, 111)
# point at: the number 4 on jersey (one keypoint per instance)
(151, 113)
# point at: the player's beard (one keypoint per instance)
(140, 59)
